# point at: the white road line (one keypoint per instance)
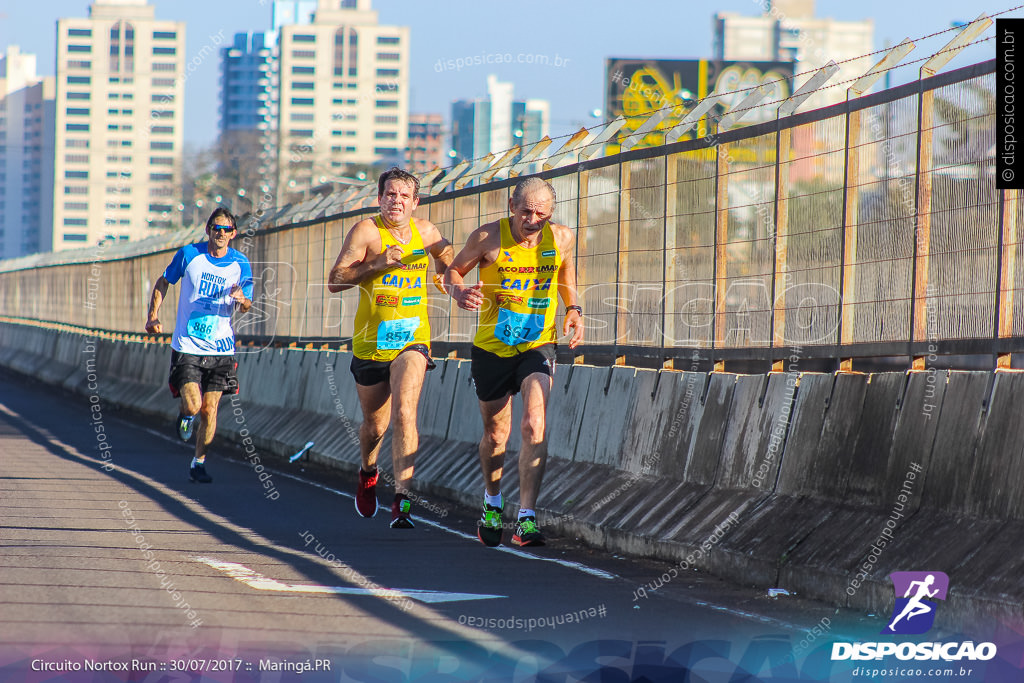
(240, 572)
(599, 573)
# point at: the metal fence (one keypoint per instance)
(866, 228)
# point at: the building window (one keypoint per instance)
(165, 35)
(79, 64)
(74, 237)
(301, 132)
(385, 135)
(162, 114)
(80, 48)
(161, 66)
(302, 85)
(301, 118)
(388, 56)
(159, 208)
(76, 222)
(387, 73)
(79, 80)
(302, 101)
(76, 206)
(76, 144)
(72, 189)
(385, 119)
(164, 51)
(388, 40)
(76, 158)
(303, 38)
(161, 161)
(163, 82)
(385, 151)
(78, 95)
(79, 33)
(161, 177)
(303, 70)
(164, 146)
(353, 52)
(76, 175)
(303, 54)
(162, 99)
(387, 104)
(162, 129)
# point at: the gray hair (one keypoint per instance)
(528, 186)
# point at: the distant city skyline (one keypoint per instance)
(555, 56)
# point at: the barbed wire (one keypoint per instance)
(760, 105)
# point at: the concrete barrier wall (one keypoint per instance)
(819, 483)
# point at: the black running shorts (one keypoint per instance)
(496, 376)
(370, 372)
(211, 373)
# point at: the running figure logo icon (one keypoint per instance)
(914, 612)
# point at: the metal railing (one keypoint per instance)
(869, 228)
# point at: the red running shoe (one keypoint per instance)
(366, 493)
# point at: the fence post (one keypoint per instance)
(622, 248)
(783, 144)
(1008, 240)
(582, 191)
(668, 298)
(721, 238)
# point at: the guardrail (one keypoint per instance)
(868, 228)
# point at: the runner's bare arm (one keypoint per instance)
(567, 284)
(438, 247)
(359, 259)
(473, 254)
(153, 325)
(238, 295)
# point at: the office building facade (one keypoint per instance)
(118, 124)
(343, 97)
(26, 155)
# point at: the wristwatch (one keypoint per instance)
(574, 307)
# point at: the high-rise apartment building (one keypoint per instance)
(248, 112)
(118, 134)
(498, 122)
(426, 148)
(344, 95)
(26, 155)
(788, 31)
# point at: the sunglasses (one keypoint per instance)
(221, 228)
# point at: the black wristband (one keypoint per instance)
(578, 309)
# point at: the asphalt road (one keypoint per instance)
(122, 562)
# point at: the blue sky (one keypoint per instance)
(582, 32)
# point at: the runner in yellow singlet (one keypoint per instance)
(526, 263)
(386, 258)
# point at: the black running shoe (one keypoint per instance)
(488, 527)
(197, 473)
(527, 533)
(186, 425)
(400, 509)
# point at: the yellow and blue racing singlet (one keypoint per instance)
(392, 311)
(520, 295)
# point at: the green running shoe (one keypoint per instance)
(488, 527)
(527, 533)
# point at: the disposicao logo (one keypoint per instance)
(913, 614)
(916, 593)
